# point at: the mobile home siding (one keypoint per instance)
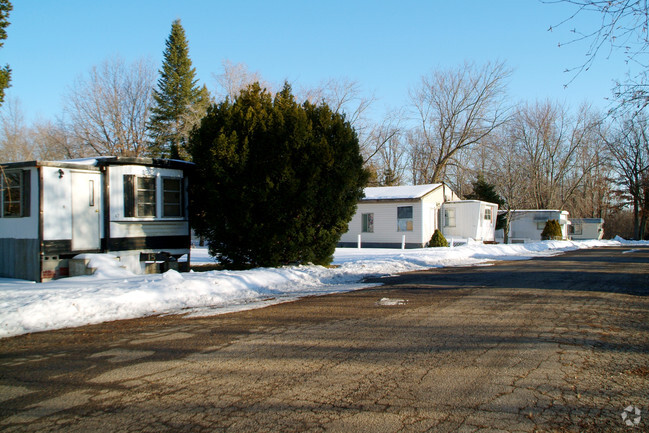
(78, 206)
(386, 233)
(19, 243)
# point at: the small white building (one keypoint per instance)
(51, 211)
(407, 216)
(527, 225)
(472, 219)
(586, 228)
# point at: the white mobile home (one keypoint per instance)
(134, 208)
(473, 219)
(586, 228)
(407, 216)
(527, 225)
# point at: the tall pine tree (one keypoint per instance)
(5, 72)
(179, 102)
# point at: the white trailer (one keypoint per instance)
(51, 211)
(396, 216)
(527, 225)
(407, 217)
(469, 219)
(586, 228)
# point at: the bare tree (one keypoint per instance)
(53, 140)
(455, 109)
(15, 140)
(621, 26)
(109, 108)
(234, 78)
(389, 152)
(552, 142)
(628, 144)
(343, 96)
(346, 96)
(509, 177)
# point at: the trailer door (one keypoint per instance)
(86, 205)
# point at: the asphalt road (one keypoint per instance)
(555, 344)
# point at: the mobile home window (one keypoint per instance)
(139, 196)
(171, 197)
(146, 196)
(368, 223)
(15, 193)
(575, 229)
(487, 213)
(449, 217)
(540, 225)
(404, 218)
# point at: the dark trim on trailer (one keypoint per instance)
(56, 247)
(39, 173)
(95, 164)
(151, 162)
(151, 243)
(64, 246)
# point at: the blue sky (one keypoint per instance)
(384, 45)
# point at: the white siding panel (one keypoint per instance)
(152, 228)
(25, 227)
(57, 204)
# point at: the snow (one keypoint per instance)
(113, 293)
(406, 192)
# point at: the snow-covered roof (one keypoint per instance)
(407, 192)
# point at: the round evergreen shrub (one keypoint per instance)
(552, 231)
(437, 240)
(276, 182)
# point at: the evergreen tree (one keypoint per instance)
(179, 101)
(552, 231)
(276, 182)
(5, 72)
(437, 240)
(485, 191)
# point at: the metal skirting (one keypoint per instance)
(20, 259)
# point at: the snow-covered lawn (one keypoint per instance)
(113, 293)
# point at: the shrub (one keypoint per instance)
(552, 231)
(437, 240)
(276, 182)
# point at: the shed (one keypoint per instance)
(134, 208)
(586, 228)
(526, 225)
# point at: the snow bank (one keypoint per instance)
(114, 293)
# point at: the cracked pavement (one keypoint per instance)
(553, 344)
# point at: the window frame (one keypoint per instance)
(367, 222)
(487, 210)
(141, 203)
(23, 201)
(573, 229)
(179, 203)
(448, 218)
(405, 223)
